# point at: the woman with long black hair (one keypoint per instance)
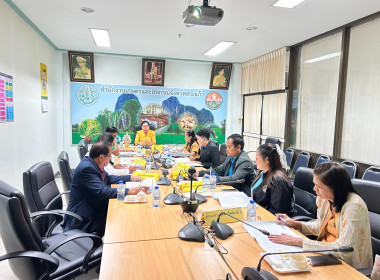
(191, 147)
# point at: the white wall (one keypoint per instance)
(124, 70)
(33, 136)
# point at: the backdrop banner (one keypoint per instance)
(171, 111)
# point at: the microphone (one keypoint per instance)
(224, 231)
(251, 273)
(193, 231)
(190, 205)
(164, 180)
(174, 198)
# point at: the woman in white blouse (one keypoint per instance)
(342, 218)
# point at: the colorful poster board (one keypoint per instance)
(6, 98)
(44, 93)
(171, 111)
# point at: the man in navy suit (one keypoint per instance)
(90, 190)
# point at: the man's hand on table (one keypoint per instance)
(138, 189)
(136, 179)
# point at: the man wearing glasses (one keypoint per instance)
(90, 190)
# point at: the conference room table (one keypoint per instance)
(141, 242)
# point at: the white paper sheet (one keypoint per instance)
(232, 199)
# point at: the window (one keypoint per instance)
(315, 95)
(361, 134)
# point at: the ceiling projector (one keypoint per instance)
(202, 15)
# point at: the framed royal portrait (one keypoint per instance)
(81, 67)
(220, 75)
(153, 72)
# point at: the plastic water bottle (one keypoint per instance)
(156, 196)
(251, 211)
(139, 153)
(169, 160)
(148, 167)
(213, 181)
(120, 191)
(206, 184)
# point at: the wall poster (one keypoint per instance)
(6, 98)
(44, 93)
(172, 111)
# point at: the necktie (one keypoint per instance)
(258, 182)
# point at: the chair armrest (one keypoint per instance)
(58, 218)
(97, 242)
(302, 218)
(58, 196)
(365, 271)
(51, 263)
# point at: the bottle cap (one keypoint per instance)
(252, 202)
(120, 182)
(206, 176)
(156, 187)
(213, 174)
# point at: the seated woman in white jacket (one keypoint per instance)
(342, 218)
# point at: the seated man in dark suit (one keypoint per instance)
(237, 166)
(90, 189)
(209, 154)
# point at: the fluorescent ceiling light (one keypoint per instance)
(101, 37)
(290, 4)
(218, 48)
(327, 56)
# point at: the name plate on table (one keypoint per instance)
(181, 165)
(147, 175)
(140, 161)
(209, 216)
(157, 147)
(185, 186)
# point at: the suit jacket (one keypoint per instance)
(89, 195)
(242, 168)
(209, 156)
(278, 198)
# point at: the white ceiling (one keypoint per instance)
(150, 28)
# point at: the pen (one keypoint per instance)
(281, 218)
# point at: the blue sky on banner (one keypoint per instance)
(88, 99)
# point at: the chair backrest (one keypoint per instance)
(82, 148)
(216, 143)
(41, 192)
(302, 161)
(65, 170)
(304, 194)
(289, 153)
(321, 159)
(372, 173)
(138, 127)
(18, 233)
(352, 168)
(223, 149)
(273, 140)
(369, 192)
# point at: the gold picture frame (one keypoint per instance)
(81, 67)
(220, 75)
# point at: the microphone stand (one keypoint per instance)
(251, 273)
(190, 205)
(224, 231)
(193, 231)
(174, 197)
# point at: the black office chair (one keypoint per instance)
(302, 161)
(82, 148)
(65, 171)
(62, 256)
(223, 153)
(289, 153)
(321, 159)
(369, 191)
(273, 140)
(42, 194)
(352, 168)
(137, 128)
(372, 173)
(216, 143)
(304, 195)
